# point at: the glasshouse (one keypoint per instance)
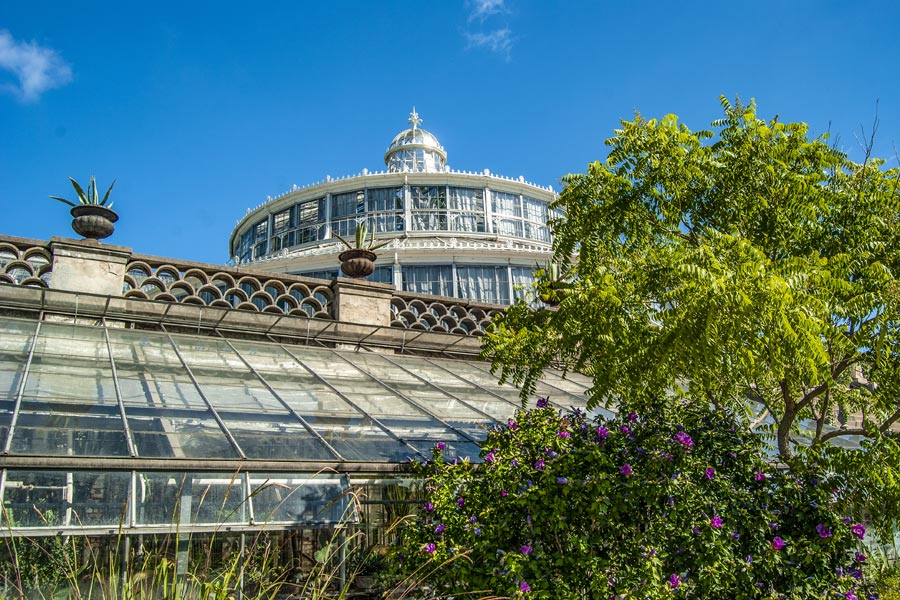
(146, 397)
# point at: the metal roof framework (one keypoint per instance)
(113, 412)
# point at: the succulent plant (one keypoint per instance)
(91, 198)
(360, 241)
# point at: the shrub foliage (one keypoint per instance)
(676, 501)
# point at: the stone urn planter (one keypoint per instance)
(93, 222)
(92, 216)
(357, 262)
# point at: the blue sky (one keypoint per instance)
(202, 109)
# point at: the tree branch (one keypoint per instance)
(762, 417)
(890, 421)
(841, 432)
(814, 393)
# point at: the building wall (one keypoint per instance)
(464, 235)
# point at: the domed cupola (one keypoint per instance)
(415, 150)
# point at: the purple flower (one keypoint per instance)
(564, 435)
(845, 520)
(695, 530)
(859, 530)
(710, 473)
(602, 432)
(674, 580)
(684, 439)
(429, 507)
(440, 446)
(503, 493)
(632, 417)
(512, 425)
(514, 463)
(823, 531)
(460, 501)
(778, 543)
(550, 453)
(489, 457)
(860, 557)
(543, 403)
(473, 519)
(477, 531)
(625, 469)
(748, 559)
(735, 535)
(851, 595)
(526, 549)
(760, 476)
(523, 585)
(562, 480)
(625, 429)
(716, 522)
(439, 529)
(856, 573)
(430, 548)
(539, 465)
(773, 526)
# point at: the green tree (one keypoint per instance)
(750, 267)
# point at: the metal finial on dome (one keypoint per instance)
(414, 119)
(415, 150)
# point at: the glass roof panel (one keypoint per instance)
(133, 347)
(223, 376)
(15, 343)
(150, 373)
(294, 384)
(403, 380)
(146, 388)
(171, 437)
(360, 442)
(69, 435)
(366, 393)
(276, 441)
(501, 399)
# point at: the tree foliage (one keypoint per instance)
(750, 266)
(679, 502)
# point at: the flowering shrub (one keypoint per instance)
(676, 502)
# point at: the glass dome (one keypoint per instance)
(415, 150)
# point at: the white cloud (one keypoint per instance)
(37, 69)
(498, 42)
(482, 9)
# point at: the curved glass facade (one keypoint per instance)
(498, 226)
(410, 208)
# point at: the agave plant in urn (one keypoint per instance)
(358, 260)
(92, 216)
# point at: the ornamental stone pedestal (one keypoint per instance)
(87, 266)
